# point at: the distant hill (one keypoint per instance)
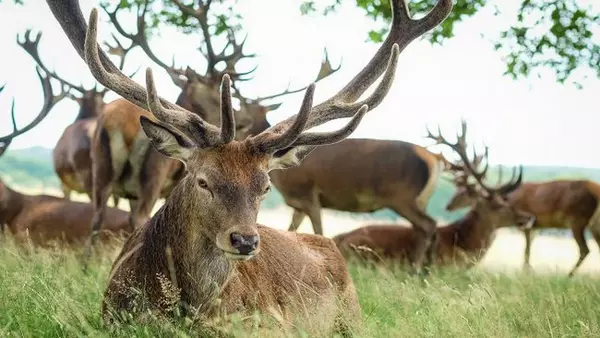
(32, 167)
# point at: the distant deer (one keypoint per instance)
(204, 239)
(461, 243)
(44, 219)
(72, 160)
(556, 204)
(124, 162)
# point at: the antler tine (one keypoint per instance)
(139, 39)
(512, 184)
(191, 125)
(403, 31)
(32, 48)
(227, 119)
(213, 58)
(49, 101)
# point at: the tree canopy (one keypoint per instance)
(558, 34)
(553, 34)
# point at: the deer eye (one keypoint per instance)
(267, 189)
(202, 183)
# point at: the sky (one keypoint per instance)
(534, 121)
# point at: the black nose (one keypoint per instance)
(243, 243)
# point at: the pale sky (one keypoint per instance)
(533, 121)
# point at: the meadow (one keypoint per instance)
(45, 293)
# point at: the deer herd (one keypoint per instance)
(214, 165)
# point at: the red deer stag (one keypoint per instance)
(72, 161)
(461, 243)
(124, 162)
(556, 204)
(205, 237)
(47, 219)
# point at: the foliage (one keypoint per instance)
(546, 33)
(46, 294)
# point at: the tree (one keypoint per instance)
(564, 43)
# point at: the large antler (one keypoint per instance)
(49, 101)
(286, 133)
(343, 104)
(213, 58)
(32, 48)
(470, 167)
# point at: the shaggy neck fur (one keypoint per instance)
(201, 269)
(473, 232)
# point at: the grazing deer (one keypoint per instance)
(45, 219)
(205, 239)
(462, 243)
(556, 204)
(71, 155)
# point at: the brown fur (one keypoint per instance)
(556, 204)
(290, 273)
(462, 243)
(47, 219)
(208, 223)
(71, 154)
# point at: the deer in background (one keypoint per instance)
(556, 204)
(47, 219)
(71, 155)
(123, 161)
(463, 242)
(205, 239)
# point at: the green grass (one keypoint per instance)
(45, 294)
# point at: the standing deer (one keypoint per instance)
(45, 219)
(556, 204)
(71, 155)
(205, 238)
(462, 243)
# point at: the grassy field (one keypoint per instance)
(45, 293)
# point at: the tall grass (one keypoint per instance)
(45, 294)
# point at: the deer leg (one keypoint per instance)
(297, 218)
(425, 250)
(103, 172)
(314, 213)
(528, 238)
(133, 210)
(115, 200)
(579, 235)
(66, 191)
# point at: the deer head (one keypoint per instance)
(491, 202)
(226, 179)
(91, 101)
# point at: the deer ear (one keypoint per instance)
(166, 141)
(289, 157)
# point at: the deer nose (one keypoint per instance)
(243, 243)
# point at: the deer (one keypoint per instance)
(204, 238)
(71, 154)
(556, 204)
(43, 220)
(462, 243)
(124, 164)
